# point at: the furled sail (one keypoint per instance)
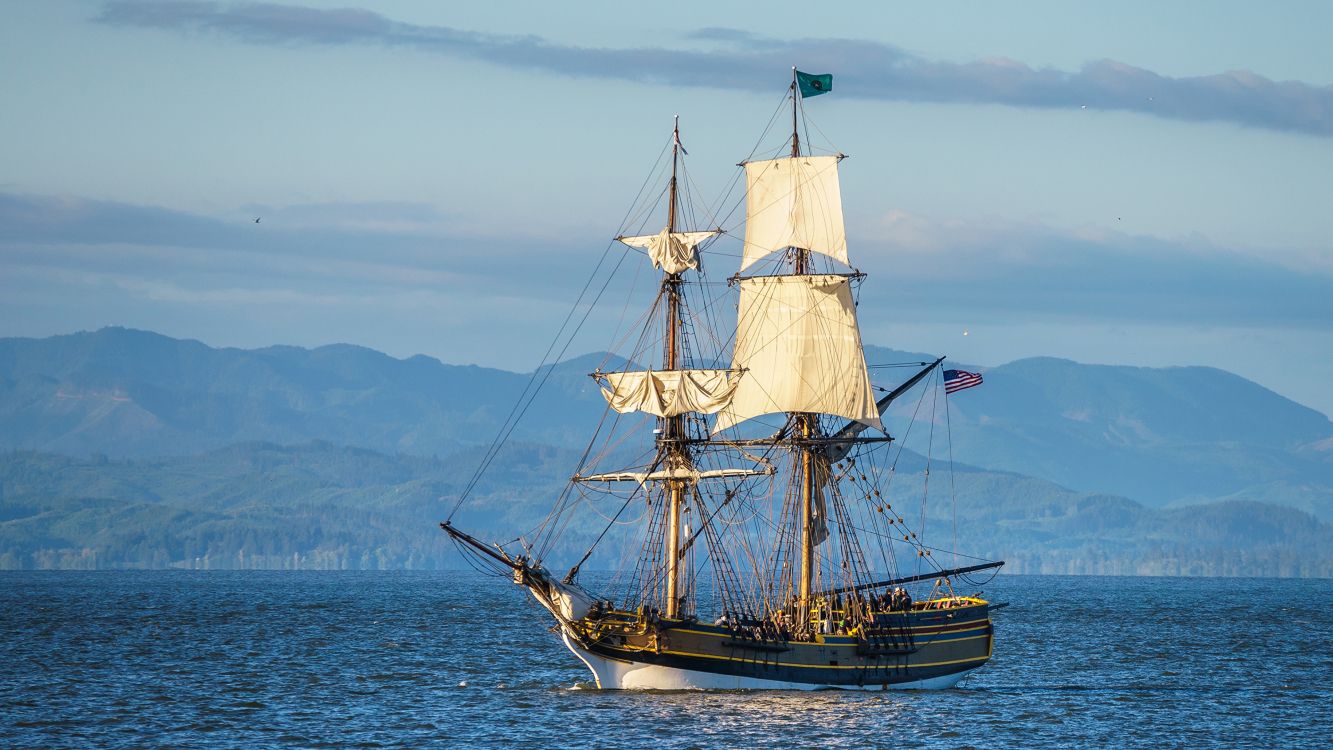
(793, 202)
(668, 393)
(797, 339)
(672, 252)
(685, 473)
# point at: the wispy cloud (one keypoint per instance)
(364, 243)
(388, 275)
(1031, 271)
(68, 263)
(921, 267)
(865, 69)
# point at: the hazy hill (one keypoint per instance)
(1158, 435)
(127, 393)
(325, 506)
(251, 505)
(1154, 434)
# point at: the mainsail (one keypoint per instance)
(797, 340)
(668, 393)
(793, 202)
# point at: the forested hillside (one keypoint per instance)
(128, 448)
(324, 506)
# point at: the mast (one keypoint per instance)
(797, 339)
(805, 422)
(795, 132)
(671, 441)
(807, 513)
(670, 392)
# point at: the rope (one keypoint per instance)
(529, 393)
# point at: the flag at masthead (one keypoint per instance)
(812, 84)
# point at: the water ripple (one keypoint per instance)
(399, 660)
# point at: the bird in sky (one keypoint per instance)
(257, 219)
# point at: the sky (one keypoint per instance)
(1137, 183)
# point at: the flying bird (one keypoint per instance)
(257, 219)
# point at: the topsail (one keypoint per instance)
(793, 202)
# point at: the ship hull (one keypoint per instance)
(927, 651)
(615, 674)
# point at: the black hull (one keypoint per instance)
(922, 648)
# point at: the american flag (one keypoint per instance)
(957, 380)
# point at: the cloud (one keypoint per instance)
(1023, 288)
(166, 291)
(920, 268)
(378, 215)
(68, 263)
(865, 69)
(360, 243)
(391, 276)
(956, 269)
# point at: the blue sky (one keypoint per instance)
(1137, 183)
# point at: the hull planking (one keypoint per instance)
(934, 646)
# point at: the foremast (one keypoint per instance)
(671, 393)
(672, 449)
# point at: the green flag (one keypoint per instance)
(814, 85)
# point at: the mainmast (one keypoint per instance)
(795, 131)
(806, 424)
(671, 445)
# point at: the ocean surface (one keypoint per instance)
(413, 660)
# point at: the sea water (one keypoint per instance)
(411, 660)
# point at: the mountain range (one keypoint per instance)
(128, 448)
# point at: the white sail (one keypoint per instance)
(797, 340)
(672, 252)
(793, 202)
(668, 393)
(685, 473)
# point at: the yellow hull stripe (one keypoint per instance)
(840, 643)
(672, 652)
(915, 630)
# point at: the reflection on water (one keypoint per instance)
(306, 659)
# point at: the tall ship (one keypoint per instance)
(742, 475)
